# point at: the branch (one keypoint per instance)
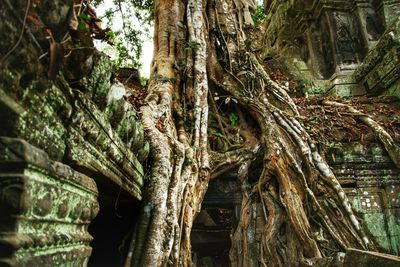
(224, 162)
(20, 35)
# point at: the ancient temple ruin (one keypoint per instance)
(337, 46)
(73, 150)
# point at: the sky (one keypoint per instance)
(147, 53)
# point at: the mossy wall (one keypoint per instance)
(76, 124)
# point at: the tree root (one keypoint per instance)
(303, 204)
(387, 141)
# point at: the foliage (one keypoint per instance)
(259, 15)
(144, 81)
(127, 39)
(83, 17)
(233, 119)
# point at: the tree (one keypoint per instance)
(206, 52)
(125, 41)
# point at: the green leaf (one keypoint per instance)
(233, 118)
(84, 16)
(216, 133)
(82, 26)
(259, 15)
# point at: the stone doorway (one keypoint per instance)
(213, 227)
(112, 230)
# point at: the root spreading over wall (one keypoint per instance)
(212, 109)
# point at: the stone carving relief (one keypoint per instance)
(322, 49)
(45, 206)
(340, 35)
(346, 44)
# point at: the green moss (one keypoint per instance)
(99, 81)
(393, 222)
(375, 223)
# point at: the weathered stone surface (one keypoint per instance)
(356, 257)
(387, 10)
(222, 193)
(57, 132)
(31, 107)
(371, 182)
(80, 119)
(99, 81)
(380, 70)
(35, 119)
(94, 145)
(45, 206)
(328, 40)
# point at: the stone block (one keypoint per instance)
(393, 224)
(36, 116)
(380, 70)
(394, 90)
(356, 257)
(223, 192)
(388, 10)
(385, 73)
(393, 196)
(46, 208)
(95, 148)
(370, 205)
(99, 80)
(344, 86)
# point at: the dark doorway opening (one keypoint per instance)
(213, 227)
(112, 229)
(210, 237)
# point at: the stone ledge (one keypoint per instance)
(16, 152)
(355, 257)
(46, 208)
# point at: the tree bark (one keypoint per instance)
(201, 45)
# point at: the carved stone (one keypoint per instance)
(330, 39)
(46, 208)
(380, 71)
(371, 182)
(82, 119)
(92, 145)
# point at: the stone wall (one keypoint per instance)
(372, 183)
(328, 40)
(75, 124)
(380, 71)
(46, 208)
(346, 48)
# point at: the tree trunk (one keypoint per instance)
(203, 47)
